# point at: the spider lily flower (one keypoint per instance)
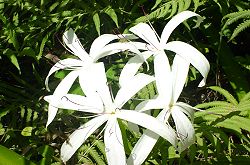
(169, 83)
(82, 66)
(166, 100)
(156, 45)
(108, 110)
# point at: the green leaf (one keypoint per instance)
(225, 93)
(27, 131)
(1, 4)
(28, 51)
(9, 157)
(42, 46)
(111, 12)
(13, 40)
(96, 20)
(2, 130)
(47, 152)
(156, 4)
(53, 6)
(11, 55)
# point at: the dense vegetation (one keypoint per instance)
(31, 42)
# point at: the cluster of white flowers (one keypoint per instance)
(97, 99)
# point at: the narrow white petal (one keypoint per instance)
(184, 128)
(146, 143)
(99, 47)
(150, 123)
(116, 48)
(113, 143)
(187, 109)
(62, 89)
(143, 148)
(99, 80)
(72, 41)
(66, 83)
(180, 69)
(145, 32)
(101, 42)
(75, 102)
(174, 22)
(63, 64)
(191, 55)
(52, 111)
(87, 80)
(131, 68)
(94, 79)
(151, 104)
(133, 86)
(163, 76)
(78, 137)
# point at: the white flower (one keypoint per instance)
(157, 45)
(169, 83)
(108, 110)
(82, 66)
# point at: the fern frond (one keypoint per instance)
(244, 106)
(241, 27)
(158, 13)
(174, 9)
(166, 10)
(246, 97)
(196, 4)
(156, 4)
(95, 155)
(242, 122)
(187, 4)
(180, 6)
(230, 124)
(236, 16)
(101, 146)
(225, 93)
(212, 104)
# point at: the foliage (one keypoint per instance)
(30, 30)
(223, 129)
(234, 17)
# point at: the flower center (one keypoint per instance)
(111, 109)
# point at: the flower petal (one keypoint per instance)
(145, 32)
(163, 76)
(174, 22)
(146, 143)
(184, 128)
(72, 41)
(78, 137)
(102, 42)
(113, 143)
(187, 109)
(76, 102)
(132, 67)
(52, 111)
(191, 55)
(151, 104)
(94, 79)
(62, 89)
(150, 123)
(62, 64)
(142, 148)
(118, 47)
(180, 69)
(99, 80)
(133, 86)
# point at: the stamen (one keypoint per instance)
(146, 15)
